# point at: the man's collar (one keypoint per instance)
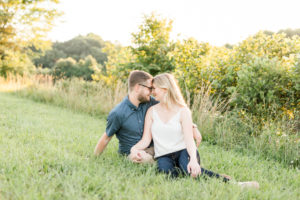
(128, 102)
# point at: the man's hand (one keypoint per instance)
(197, 135)
(135, 155)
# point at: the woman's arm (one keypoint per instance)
(187, 127)
(147, 135)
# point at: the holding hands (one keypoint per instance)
(135, 155)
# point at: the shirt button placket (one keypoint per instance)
(140, 121)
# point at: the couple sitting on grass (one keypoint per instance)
(166, 120)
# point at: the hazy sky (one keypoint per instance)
(215, 21)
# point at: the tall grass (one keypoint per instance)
(95, 98)
(13, 83)
(277, 140)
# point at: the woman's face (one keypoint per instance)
(158, 93)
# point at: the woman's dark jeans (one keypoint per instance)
(176, 164)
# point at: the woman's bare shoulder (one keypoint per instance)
(185, 111)
(153, 107)
(150, 110)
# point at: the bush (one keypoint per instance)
(263, 88)
(15, 63)
(69, 68)
(64, 68)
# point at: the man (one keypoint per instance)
(126, 120)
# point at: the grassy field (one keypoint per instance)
(46, 152)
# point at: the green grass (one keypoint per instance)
(46, 152)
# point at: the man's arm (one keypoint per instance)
(101, 145)
(197, 135)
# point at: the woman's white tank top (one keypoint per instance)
(167, 137)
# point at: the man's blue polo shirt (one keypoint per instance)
(127, 122)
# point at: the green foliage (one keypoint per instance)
(263, 87)
(262, 45)
(23, 24)
(152, 47)
(49, 59)
(68, 68)
(15, 63)
(295, 79)
(64, 68)
(76, 48)
(261, 73)
(289, 32)
(193, 69)
(116, 66)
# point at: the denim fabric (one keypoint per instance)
(176, 164)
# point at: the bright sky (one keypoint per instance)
(215, 21)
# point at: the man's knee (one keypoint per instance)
(150, 150)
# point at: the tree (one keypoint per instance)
(76, 48)
(191, 67)
(152, 46)
(24, 23)
(68, 68)
(288, 32)
(116, 66)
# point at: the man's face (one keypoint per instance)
(145, 91)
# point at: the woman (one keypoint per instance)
(169, 124)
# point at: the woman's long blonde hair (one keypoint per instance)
(173, 95)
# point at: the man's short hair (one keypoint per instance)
(137, 77)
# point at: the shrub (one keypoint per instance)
(264, 88)
(15, 63)
(68, 68)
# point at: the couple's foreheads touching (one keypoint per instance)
(163, 86)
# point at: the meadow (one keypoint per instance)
(46, 152)
(232, 130)
(55, 97)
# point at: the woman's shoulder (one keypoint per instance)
(183, 108)
(150, 110)
(185, 111)
(154, 107)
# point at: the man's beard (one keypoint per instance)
(143, 99)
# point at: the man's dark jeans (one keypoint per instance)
(176, 164)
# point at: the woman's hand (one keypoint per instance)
(194, 168)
